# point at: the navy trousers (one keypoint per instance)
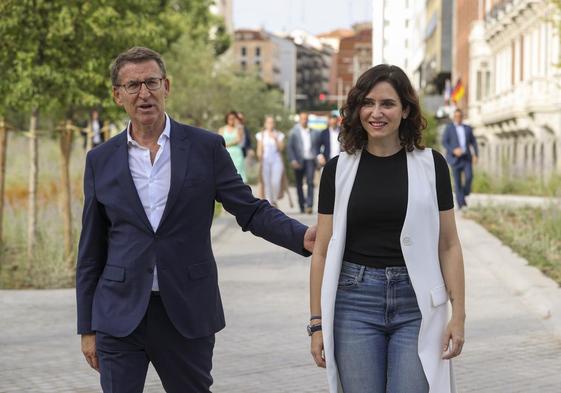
(184, 365)
(308, 171)
(462, 184)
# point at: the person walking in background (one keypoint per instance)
(270, 144)
(458, 140)
(146, 279)
(329, 145)
(379, 292)
(246, 143)
(93, 132)
(302, 148)
(233, 136)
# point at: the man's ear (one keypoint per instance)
(116, 93)
(167, 86)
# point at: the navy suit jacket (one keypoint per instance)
(450, 142)
(118, 248)
(325, 144)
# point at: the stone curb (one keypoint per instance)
(540, 293)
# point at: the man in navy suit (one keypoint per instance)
(329, 145)
(146, 278)
(458, 140)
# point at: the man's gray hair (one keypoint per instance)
(136, 54)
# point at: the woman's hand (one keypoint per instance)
(453, 341)
(317, 349)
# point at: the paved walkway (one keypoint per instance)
(509, 347)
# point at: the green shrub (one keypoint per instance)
(533, 233)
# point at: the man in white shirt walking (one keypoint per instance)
(302, 149)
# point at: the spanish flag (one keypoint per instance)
(458, 91)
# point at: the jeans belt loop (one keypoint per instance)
(361, 273)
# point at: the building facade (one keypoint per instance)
(255, 52)
(466, 12)
(286, 50)
(515, 96)
(438, 37)
(354, 57)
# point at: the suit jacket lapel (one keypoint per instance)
(179, 151)
(125, 179)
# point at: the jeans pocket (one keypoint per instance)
(347, 281)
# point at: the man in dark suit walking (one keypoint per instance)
(146, 278)
(458, 140)
(329, 145)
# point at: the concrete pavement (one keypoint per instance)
(511, 344)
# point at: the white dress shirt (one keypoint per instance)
(335, 146)
(152, 181)
(307, 153)
(461, 132)
(96, 130)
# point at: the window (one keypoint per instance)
(257, 51)
(243, 65)
(244, 51)
(479, 91)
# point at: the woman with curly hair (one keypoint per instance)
(387, 256)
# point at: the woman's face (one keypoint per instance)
(382, 113)
(269, 123)
(231, 120)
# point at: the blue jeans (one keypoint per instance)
(376, 329)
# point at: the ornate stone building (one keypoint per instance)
(515, 79)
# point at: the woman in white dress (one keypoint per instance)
(270, 144)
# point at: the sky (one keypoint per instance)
(314, 16)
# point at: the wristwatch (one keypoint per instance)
(313, 328)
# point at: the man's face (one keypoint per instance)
(146, 107)
(458, 117)
(304, 120)
(332, 122)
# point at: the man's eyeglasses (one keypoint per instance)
(134, 87)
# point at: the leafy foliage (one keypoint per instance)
(205, 88)
(56, 53)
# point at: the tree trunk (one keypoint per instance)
(3, 152)
(33, 176)
(65, 196)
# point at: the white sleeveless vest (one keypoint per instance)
(419, 244)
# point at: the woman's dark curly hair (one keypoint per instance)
(353, 137)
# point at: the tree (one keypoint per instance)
(58, 54)
(204, 89)
(3, 149)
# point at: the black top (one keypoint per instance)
(377, 205)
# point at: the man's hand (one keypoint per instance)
(458, 152)
(310, 238)
(294, 164)
(474, 160)
(89, 351)
(321, 160)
